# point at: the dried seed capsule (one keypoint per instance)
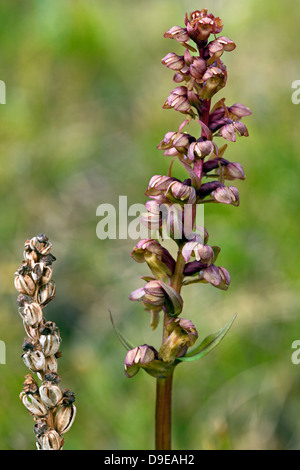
(64, 418)
(50, 394)
(24, 284)
(41, 273)
(46, 293)
(34, 360)
(40, 244)
(31, 313)
(51, 440)
(50, 343)
(34, 404)
(50, 366)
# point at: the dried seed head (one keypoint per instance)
(40, 244)
(51, 440)
(34, 360)
(50, 343)
(31, 313)
(41, 274)
(24, 284)
(50, 394)
(64, 418)
(34, 404)
(30, 386)
(46, 293)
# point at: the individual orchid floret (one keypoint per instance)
(181, 335)
(158, 185)
(138, 357)
(229, 130)
(156, 295)
(178, 99)
(181, 193)
(232, 171)
(214, 79)
(180, 34)
(218, 46)
(197, 69)
(156, 256)
(221, 166)
(238, 110)
(200, 149)
(201, 252)
(226, 195)
(200, 25)
(173, 61)
(217, 276)
(175, 143)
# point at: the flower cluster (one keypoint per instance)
(53, 409)
(199, 74)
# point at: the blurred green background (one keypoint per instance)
(83, 115)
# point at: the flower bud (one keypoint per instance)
(34, 360)
(34, 404)
(64, 418)
(50, 394)
(51, 440)
(31, 313)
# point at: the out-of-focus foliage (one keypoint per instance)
(83, 115)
